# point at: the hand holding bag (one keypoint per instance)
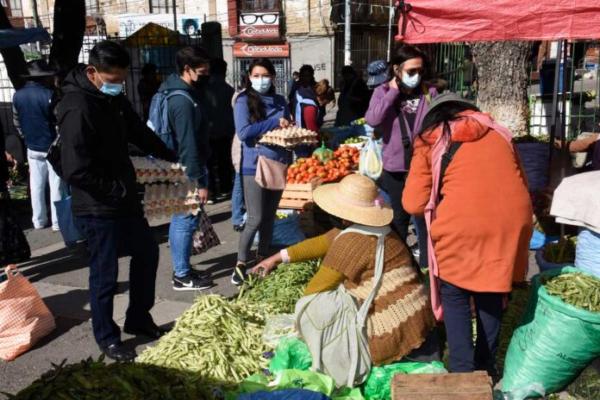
(24, 318)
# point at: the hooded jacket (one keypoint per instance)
(483, 223)
(95, 131)
(190, 129)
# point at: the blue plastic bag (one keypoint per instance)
(286, 232)
(66, 222)
(539, 240)
(587, 256)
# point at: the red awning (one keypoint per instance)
(435, 21)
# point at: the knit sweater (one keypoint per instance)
(400, 317)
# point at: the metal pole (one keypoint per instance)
(347, 33)
(390, 23)
(174, 5)
(36, 17)
(555, 98)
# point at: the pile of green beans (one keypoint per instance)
(577, 289)
(95, 380)
(219, 339)
(282, 288)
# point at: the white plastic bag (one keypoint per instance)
(371, 160)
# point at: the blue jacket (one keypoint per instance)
(249, 133)
(33, 116)
(191, 129)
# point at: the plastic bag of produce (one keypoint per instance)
(553, 344)
(291, 354)
(587, 256)
(371, 160)
(278, 328)
(378, 385)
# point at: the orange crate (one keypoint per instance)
(297, 196)
(466, 386)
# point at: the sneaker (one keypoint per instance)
(239, 274)
(196, 274)
(239, 228)
(415, 251)
(190, 283)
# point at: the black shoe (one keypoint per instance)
(190, 283)
(151, 331)
(202, 275)
(239, 275)
(239, 228)
(118, 352)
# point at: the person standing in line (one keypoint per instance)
(397, 110)
(147, 88)
(96, 123)
(191, 142)
(34, 120)
(258, 110)
(354, 97)
(221, 130)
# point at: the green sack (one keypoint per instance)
(291, 353)
(378, 385)
(553, 344)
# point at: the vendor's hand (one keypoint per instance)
(265, 267)
(284, 123)
(10, 159)
(202, 195)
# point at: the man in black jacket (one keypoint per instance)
(96, 124)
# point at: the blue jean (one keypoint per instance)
(464, 357)
(181, 235)
(421, 228)
(105, 237)
(237, 201)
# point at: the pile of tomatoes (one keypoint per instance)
(344, 162)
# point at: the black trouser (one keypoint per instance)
(220, 166)
(105, 237)
(464, 356)
(393, 183)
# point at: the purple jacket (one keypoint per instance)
(382, 114)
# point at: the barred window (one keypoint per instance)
(160, 6)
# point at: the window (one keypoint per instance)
(260, 5)
(160, 6)
(16, 8)
(91, 7)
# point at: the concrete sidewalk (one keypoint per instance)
(61, 277)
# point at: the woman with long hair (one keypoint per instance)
(466, 178)
(258, 110)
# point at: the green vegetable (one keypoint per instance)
(562, 252)
(91, 379)
(577, 289)
(281, 289)
(219, 339)
(323, 154)
(355, 140)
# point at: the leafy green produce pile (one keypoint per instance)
(281, 289)
(90, 380)
(577, 289)
(219, 339)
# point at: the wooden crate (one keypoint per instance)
(297, 196)
(467, 386)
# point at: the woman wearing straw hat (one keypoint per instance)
(400, 318)
(479, 217)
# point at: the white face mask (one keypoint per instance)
(411, 82)
(261, 85)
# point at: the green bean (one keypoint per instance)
(577, 289)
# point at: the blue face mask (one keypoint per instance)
(261, 85)
(112, 89)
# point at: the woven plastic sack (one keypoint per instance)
(371, 160)
(291, 354)
(288, 394)
(553, 344)
(587, 256)
(545, 265)
(534, 157)
(378, 385)
(24, 318)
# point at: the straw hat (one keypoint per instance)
(354, 199)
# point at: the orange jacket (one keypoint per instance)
(484, 222)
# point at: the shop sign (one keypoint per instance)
(259, 31)
(250, 50)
